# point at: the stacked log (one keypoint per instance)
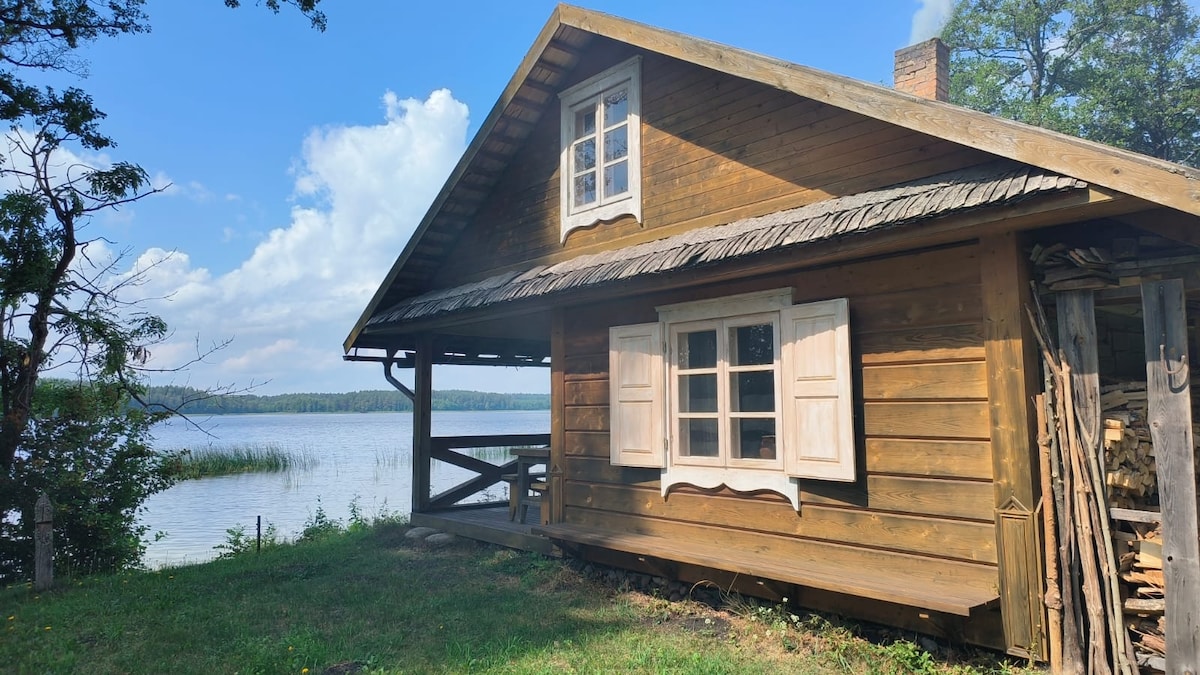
(1145, 600)
(1128, 451)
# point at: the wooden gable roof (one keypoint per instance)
(566, 37)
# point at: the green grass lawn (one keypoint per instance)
(373, 601)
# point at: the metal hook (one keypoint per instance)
(1172, 372)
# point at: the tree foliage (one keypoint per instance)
(60, 307)
(1122, 72)
(90, 450)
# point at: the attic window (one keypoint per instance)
(600, 166)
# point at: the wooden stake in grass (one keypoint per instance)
(43, 543)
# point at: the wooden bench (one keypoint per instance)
(902, 586)
(521, 503)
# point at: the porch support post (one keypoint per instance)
(558, 435)
(1168, 374)
(1012, 381)
(422, 424)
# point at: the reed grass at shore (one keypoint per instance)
(227, 460)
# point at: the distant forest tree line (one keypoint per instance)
(196, 402)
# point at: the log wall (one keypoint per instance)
(925, 494)
(715, 148)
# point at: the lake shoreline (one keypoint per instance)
(365, 457)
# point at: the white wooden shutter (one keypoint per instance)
(635, 372)
(817, 415)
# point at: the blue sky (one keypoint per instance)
(301, 161)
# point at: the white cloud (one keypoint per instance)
(929, 19)
(359, 193)
(193, 190)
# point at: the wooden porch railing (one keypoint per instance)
(443, 448)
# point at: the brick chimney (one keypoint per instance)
(924, 70)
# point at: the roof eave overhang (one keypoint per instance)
(1042, 211)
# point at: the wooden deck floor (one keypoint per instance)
(490, 524)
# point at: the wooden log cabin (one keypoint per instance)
(783, 314)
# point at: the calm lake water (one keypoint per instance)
(365, 456)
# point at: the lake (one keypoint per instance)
(363, 456)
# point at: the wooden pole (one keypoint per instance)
(554, 510)
(422, 423)
(1170, 418)
(1053, 597)
(1093, 596)
(1079, 344)
(1068, 554)
(43, 543)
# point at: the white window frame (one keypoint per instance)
(712, 472)
(812, 409)
(591, 92)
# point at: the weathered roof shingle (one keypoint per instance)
(992, 184)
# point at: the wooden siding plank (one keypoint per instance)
(773, 157)
(586, 366)
(586, 418)
(950, 306)
(939, 343)
(958, 419)
(929, 536)
(588, 444)
(944, 459)
(599, 470)
(739, 183)
(846, 568)
(934, 269)
(926, 381)
(921, 496)
(586, 392)
(747, 143)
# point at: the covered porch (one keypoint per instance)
(471, 507)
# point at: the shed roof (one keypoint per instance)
(565, 38)
(998, 183)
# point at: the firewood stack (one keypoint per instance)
(1143, 590)
(1128, 451)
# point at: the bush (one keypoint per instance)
(89, 451)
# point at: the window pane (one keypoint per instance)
(698, 349)
(698, 438)
(585, 122)
(753, 391)
(752, 345)
(585, 155)
(616, 179)
(585, 188)
(616, 143)
(698, 393)
(753, 438)
(616, 107)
